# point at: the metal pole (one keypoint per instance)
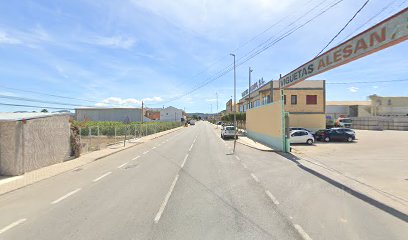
(249, 88)
(282, 104)
(235, 104)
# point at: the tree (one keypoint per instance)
(44, 110)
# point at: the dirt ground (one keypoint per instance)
(377, 158)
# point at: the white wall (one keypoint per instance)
(171, 114)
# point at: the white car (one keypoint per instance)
(301, 136)
(227, 131)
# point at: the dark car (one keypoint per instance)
(328, 135)
(347, 130)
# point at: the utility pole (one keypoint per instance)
(142, 113)
(235, 104)
(249, 88)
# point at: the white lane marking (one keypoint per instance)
(244, 165)
(163, 142)
(273, 198)
(120, 166)
(99, 178)
(10, 226)
(237, 157)
(146, 152)
(302, 232)
(135, 157)
(166, 199)
(191, 147)
(158, 145)
(153, 148)
(255, 177)
(184, 161)
(65, 196)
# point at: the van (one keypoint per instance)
(343, 122)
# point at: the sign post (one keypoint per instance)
(388, 32)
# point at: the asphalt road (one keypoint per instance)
(188, 185)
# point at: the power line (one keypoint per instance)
(229, 68)
(369, 82)
(341, 30)
(32, 106)
(50, 95)
(40, 101)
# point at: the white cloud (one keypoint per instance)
(6, 39)
(153, 99)
(114, 41)
(123, 102)
(211, 100)
(353, 89)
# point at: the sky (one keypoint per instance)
(171, 52)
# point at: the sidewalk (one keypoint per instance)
(8, 184)
(391, 203)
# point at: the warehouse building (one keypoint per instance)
(305, 101)
(172, 114)
(110, 114)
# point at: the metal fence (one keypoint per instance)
(94, 138)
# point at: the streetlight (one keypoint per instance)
(235, 104)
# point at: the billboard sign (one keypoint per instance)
(391, 31)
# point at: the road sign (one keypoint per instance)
(391, 31)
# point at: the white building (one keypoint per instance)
(110, 114)
(171, 114)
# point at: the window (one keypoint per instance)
(266, 99)
(293, 99)
(311, 99)
(389, 101)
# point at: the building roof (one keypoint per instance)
(347, 103)
(8, 116)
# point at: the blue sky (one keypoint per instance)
(123, 52)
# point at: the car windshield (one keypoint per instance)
(203, 119)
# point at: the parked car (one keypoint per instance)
(328, 135)
(299, 128)
(343, 122)
(301, 136)
(347, 130)
(228, 132)
(192, 122)
(219, 123)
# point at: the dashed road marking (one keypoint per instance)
(273, 198)
(120, 166)
(65, 196)
(166, 199)
(184, 161)
(153, 148)
(302, 232)
(146, 152)
(191, 147)
(11, 225)
(255, 177)
(237, 157)
(99, 178)
(135, 157)
(244, 165)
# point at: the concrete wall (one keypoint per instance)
(38, 143)
(312, 122)
(113, 114)
(380, 123)
(264, 124)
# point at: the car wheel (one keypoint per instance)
(327, 139)
(349, 139)
(309, 141)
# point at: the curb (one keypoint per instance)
(263, 150)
